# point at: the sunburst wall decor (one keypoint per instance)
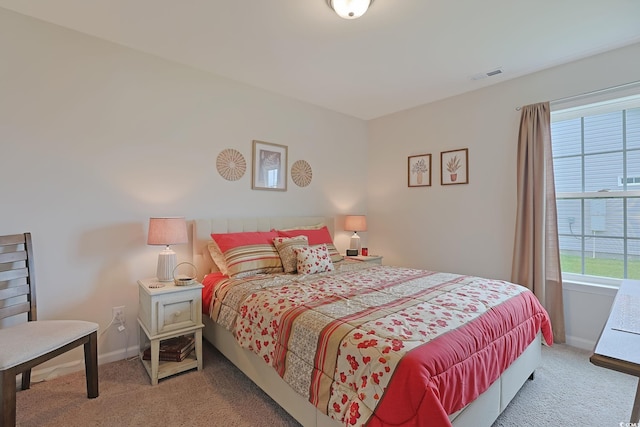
(301, 173)
(231, 164)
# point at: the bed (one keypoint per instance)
(469, 386)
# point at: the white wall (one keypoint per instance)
(469, 228)
(95, 138)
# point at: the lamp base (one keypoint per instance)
(355, 242)
(167, 262)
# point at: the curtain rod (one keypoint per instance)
(594, 92)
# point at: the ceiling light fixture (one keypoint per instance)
(349, 9)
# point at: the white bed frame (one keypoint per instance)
(481, 412)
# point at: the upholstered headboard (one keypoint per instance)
(202, 229)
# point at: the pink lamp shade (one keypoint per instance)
(355, 223)
(167, 231)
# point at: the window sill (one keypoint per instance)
(590, 288)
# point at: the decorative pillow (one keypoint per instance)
(316, 237)
(217, 257)
(304, 227)
(313, 259)
(246, 254)
(285, 247)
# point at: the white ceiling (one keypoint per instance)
(400, 54)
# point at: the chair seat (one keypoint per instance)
(29, 340)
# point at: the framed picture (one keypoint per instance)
(269, 166)
(454, 167)
(419, 170)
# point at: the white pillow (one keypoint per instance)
(313, 259)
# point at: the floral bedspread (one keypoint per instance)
(382, 345)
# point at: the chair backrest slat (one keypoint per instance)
(12, 239)
(14, 292)
(17, 282)
(13, 256)
(18, 273)
(14, 310)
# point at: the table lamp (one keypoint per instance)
(355, 223)
(167, 231)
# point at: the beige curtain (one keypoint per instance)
(536, 255)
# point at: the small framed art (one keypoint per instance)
(419, 170)
(454, 167)
(269, 166)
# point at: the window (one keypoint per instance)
(596, 151)
(630, 180)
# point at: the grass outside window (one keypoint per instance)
(602, 267)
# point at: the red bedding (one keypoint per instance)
(209, 284)
(380, 345)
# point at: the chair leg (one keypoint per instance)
(91, 365)
(7, 398)
(26, 379)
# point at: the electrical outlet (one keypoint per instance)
(118, 315)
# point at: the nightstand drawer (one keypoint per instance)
(169, 308)
(176, 313)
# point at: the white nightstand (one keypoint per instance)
(372, 259)
(167, 312)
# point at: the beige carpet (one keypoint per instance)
(218, 395)
(567, 391)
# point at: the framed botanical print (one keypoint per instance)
(419, 170)
(454, 167)
(269, 166)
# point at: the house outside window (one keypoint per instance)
(596, 151)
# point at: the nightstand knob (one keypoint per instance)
(177, 313)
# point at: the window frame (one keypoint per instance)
(586, 107)
(593, 195)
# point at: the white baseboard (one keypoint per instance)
(51, 372)
(580, 343)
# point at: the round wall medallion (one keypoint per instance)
(231, 164)
(301, 173)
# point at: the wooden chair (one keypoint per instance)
(24, 345)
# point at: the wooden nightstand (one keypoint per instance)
(167, 312)
(373, 259)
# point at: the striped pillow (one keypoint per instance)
(246, 254)
(285, 247)
(316, 237)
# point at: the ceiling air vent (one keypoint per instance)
(486, 74)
